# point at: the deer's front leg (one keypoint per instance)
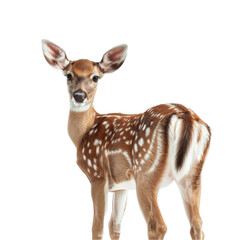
(118, 209)
(99, 197)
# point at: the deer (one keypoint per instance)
(145, 152)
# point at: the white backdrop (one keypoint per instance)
(179, 51)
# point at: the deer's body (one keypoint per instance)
(145, 151)
(120, 147)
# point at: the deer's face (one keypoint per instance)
(82, 76)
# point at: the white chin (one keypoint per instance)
(79, 107)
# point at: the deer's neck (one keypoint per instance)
(79, 124)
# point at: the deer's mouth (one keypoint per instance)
(79, 107)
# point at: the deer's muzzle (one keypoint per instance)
(80, 96)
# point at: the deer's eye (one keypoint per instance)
(95, 78)
(69, 76)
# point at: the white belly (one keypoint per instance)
(127, 185)
(131, 185)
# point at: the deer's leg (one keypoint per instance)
(190, 188)
(118, 209)
(147, 198)
(99, 197)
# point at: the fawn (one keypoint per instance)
(145, 151)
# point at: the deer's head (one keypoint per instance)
(82, 75)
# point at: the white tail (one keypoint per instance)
(144, 151)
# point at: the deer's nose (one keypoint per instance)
(79, 96)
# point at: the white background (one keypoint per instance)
(179, 51)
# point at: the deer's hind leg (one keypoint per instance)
(118, 209)
(147, 198)
(190, 188)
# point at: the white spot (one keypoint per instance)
(144, 126)
(97, 150)
(135, 147)
(88, 144)
(88, 170)
(84, 158)
(90, 151)
(147, 156)
(96, 142)
(91, 132)
(95, 167)
(95, 160)
(142, 162)
(105, 122)
(107, 125)
(147, 132)
(140, 142)
(89, 163)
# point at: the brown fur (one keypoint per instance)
(83, 67)
(79, 124)
(99, 207)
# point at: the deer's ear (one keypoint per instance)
(113, 59)
(54, 55)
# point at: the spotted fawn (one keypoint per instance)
(145, 151)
